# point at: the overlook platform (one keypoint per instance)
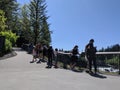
(16, 73)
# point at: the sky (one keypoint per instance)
(75, 22)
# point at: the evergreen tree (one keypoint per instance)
(10, 8)
(45, 33)
(2, 21)
(25, 31)
(113, 48)
(37, 18)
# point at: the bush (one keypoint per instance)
(8, 46)
(10, 36)
(114, 62)
(10, 40)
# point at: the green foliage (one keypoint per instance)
(113, 48)
(8, 46)
(38, 20)
(114, 61)
(45, 33)
(29, 23)
(2, 21)
(10, 36)
(25, 24)
(10, 7)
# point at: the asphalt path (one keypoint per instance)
(17, 73)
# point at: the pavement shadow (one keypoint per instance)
(98, 75)
(74, 70)
(77, 71)
(8, 55)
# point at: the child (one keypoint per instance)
(34, 52)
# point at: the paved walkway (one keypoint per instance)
(16, 73)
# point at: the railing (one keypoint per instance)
(113, 54)
(103, 63)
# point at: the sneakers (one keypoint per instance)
(39, 61)
(31, 61)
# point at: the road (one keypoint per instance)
(16, 73)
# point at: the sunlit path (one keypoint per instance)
(17, 73)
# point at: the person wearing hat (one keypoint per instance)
(90, 53)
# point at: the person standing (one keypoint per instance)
(44, 53)
(30, 48)
(90, 54)
(74, 57)
(50, 56)
(39, 52)
(56, 58)
(34, 53)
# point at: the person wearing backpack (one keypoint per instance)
(90, 54)
(50, 57)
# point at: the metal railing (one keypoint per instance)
(102, 63)
(113, 54)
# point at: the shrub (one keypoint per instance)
(10, 40)
(8, 46)
(114, 62)
(12, 37)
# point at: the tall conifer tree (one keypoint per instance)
(37, 17)
(10, 8)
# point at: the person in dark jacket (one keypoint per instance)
(74, 57)
(50, 56)
(56, 58)
(90, 53)
(45, 49)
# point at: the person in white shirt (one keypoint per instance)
(34, 53)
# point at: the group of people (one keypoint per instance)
(90, 56)
(41, 52)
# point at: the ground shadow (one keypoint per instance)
(78, 71)
(98, 75)
(8, 55)
(74, 70)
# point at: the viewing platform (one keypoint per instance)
(16, 73)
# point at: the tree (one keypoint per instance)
(38, 24)
(25, 24)
(10, 8)
(2, 21)
(109, 49)
(45, 33)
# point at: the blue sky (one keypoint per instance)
(75, 22)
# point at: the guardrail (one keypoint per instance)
(113, 54)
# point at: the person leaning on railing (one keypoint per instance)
(74, 57)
